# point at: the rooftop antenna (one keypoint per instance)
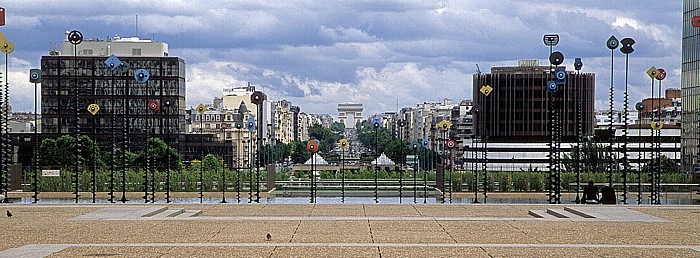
(137, 25)
(478, 71)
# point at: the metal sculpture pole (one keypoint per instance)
(201, 109)
(342, 171)
(425, 178)
(612, 45)
(485, 91)
(425, 143)
(551, 40)
(35, 77)
(239, 125)
(258, 98)
(94, 157)
(416, 167)
(556, 58)
(125, 138)
(167, 143)
(113, 139)
(639, 107)
(444, 126)
(312, 147)
(580, 93)
(223, 173)
(251, 128)
(7, 150)
(626, 49)
(451, 144)
(76, 37)
(652, 72)
(141, 76)
(375, 125)
(343, 143)
(657, 180)
(154, 107)
(401, 123)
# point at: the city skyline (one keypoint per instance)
(319, 54)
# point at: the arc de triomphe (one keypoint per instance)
(354, 109)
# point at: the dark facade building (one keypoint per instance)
(516, 109)
(690, 90)
(118, 95)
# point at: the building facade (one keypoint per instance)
(690, 87)
(517, 108)
(123, 103)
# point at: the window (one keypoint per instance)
(87, 52)
(136, 51)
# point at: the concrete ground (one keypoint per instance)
(344, 230)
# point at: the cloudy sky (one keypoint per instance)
(321, 53)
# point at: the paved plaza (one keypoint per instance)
(349, 230)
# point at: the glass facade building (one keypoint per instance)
(118, 95)
(690, 87)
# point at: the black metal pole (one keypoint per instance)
(238, 167)
(342, 172)
(250, 169)
(94, 160)
(167, 143)
(201, 155)
(223, 174)
(639, 157)
(579, 130)
(376, 165)
(401, 165)
(425, 179)
(36, 163)
(451, 171)
(76, 174)
(125, 136)
(625, 160)
(416, 167)
(611, 117)
(113, 139)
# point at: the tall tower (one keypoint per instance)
(690, 87)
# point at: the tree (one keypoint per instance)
(274, 153)
(62, 152)
(593, 157)
(326, 137)
(160, 154)
(212, 162)
(667, 165)
(299, 152)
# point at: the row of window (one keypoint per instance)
(96, 67)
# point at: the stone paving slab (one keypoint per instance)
(352, 250)
(416, 227)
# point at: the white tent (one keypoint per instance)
(318, 160)
(383, 160)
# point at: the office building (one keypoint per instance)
(690, 88)
(118, 94)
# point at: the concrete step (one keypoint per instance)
(540, 214)
(562, 214)
(579, 212)
(189, 213)
(169, 213)
(149, 212)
